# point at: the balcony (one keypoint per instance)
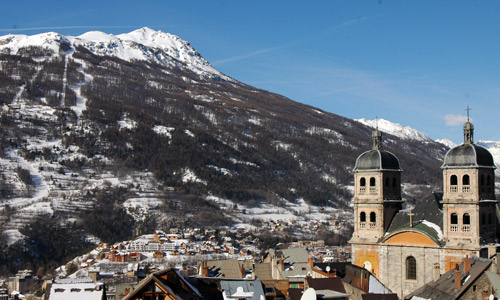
(465, 228)
(454, 227)
(362, 189)
(373, 190)
(453, 189)
(466, 189)
(362, 225)
(373, 225)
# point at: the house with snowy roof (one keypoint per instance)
(75, 289)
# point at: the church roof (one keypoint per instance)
(377, 160)
(468, 155)
(427, 218)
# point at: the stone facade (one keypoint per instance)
(405, 252)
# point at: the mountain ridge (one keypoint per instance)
(96, 142)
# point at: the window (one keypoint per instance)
(466, 219)
(362, 181)
(482, 179)
(454, 222)
(411, 268)
(483, 219)
(394, 182)
(373, 217)
(372, 181)
(362, 217)
(453, 180)
(488, 180)
(490, 218)
(387, 182)
(466, 180)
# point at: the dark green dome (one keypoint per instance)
(377, 160)
(468, 155)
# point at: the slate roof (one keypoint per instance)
(224, 269)
(468, 155)
(377, 160)
(429, 209)
(296, 272)
(444, 287)
(263, 271)
(296, 254)
(494, 281)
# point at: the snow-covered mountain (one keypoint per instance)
(404, 132)
(141, 44)
(136, 130)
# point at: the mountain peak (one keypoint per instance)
(141, 44)
(403, 132)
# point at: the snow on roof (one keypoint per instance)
(75, 291)
(435, 227)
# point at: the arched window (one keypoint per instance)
(372, 181)
(482, 179)
(466, 180)
(387, 182)
(394, 182)
(373, 217)
(411, 268)
(488, 180)
(454, 218)
(466, 219)
(362, 181)
(454, 222)
(453, 180)
(362, 217)
(483, 219)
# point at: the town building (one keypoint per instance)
(407, 249)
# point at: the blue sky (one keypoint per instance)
(418, 63)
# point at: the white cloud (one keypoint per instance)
(455, 120)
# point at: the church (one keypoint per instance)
(407, 249)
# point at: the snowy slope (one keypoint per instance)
(404, 132)
(141, 44)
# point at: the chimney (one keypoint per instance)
(436, 272)
(467, 264)
(204, 269)
(310, 261)
(458, 278)
(492, 249)
(282, 263)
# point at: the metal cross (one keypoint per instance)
(468, 110)
(411, 214)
